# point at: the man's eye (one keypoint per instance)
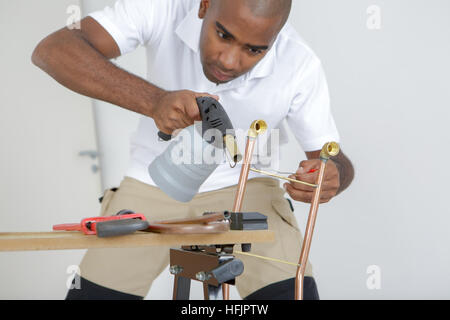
(222, 35)
(254, 51)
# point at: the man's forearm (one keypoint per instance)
(346, 171)
(74, 63)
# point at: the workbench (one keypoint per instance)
(32, 241)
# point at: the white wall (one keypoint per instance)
(43, 128)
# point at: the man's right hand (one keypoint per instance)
(177, 109)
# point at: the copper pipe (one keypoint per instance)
(257, 127)
(226, 291)
(240, 194)
(244, 174)
(211, 217)
(308, 235)
(328, 150)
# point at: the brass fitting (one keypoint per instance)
(232, 147)
(330, 149)
(257, 127)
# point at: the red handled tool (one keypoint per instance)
(89, 225)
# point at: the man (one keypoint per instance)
(241, 52)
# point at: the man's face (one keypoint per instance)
(233, 40)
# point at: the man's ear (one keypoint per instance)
(204, 6)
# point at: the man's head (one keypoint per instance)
(236, 34)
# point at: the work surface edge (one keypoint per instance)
(66, 240)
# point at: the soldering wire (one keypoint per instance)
(276, 171)
(284, 178)
(266, 258)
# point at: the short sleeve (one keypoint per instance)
(132, 22)
(309, 116)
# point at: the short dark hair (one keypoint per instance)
(269, 8)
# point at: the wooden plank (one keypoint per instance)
(66, 240)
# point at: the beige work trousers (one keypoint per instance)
(132, 270)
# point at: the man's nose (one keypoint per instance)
(230, 59)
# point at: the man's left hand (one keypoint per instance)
(304, 193)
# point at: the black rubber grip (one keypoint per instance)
(120, 227)
(213, 117)
(164, 136)
(228, 270)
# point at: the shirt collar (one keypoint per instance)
(189, 32)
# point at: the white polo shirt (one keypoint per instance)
(288, 83)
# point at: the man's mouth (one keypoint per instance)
(220, 75)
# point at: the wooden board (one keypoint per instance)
(65, 240)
